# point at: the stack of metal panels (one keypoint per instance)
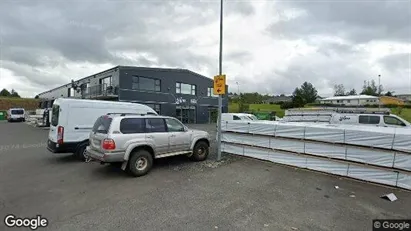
(375, 154)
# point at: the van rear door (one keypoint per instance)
(54, 123)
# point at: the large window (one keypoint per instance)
(106, 81)
(70, 92)
(145, 84)
(183, 88)
(363, 119)
(155, 107)
(210, 92)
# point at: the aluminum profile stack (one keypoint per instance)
(380, 155)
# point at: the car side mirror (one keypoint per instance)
(185, 129)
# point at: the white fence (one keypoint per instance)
(380, 155)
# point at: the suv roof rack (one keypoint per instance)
(124, 114)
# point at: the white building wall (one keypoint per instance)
(351, 102)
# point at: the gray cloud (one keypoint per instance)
(39, 36)
(397, 62)
(359, 21)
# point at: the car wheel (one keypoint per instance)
(81, 152)
(200, 151)
(140, 163)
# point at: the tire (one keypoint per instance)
(140, 163)
(81, 152)
(200, 151)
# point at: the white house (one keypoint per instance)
(351, 100)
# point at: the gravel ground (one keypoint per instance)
(234, 194)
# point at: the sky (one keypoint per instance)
(270, 47)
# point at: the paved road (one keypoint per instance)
(237, 194)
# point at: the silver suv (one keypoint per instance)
(135, 140)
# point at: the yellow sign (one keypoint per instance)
(219, 85)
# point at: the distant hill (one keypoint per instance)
(26, 103)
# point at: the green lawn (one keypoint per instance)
(233, 108)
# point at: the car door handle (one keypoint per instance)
(150, 136)
(173, 135)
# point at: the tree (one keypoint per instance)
(5, 92)
(14, 93)
(339, 90)
(36, 97)
(305, 94)
(389, 93)
(352, 92)
(370, 88)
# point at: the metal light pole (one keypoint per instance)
(220, 99)
(238, 88)
(379, 91)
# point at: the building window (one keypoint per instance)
(155, 107)
(145, 84)
(106, 81)
(183, 88)
(210, 92)
(70, 92)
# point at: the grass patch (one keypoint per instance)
(233, 108)
(405, 113)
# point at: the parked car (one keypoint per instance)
(238, 116)
(135, 140)
(16, 114)
(73, 119)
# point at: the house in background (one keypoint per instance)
(404, 97)
(351, 100)
(278, 99)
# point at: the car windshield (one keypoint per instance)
(17, 112)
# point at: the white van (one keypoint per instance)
(379, 120)
(73, 119)
(16, 114)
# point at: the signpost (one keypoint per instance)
(219, 85)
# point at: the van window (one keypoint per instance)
(102, 124)
(17, 112)
(155, 125)
(390, 120)
(365, 119)
(132, 125)
(55, 115)
(236, 118)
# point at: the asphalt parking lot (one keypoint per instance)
(235, 194)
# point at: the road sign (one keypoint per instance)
(219, 85)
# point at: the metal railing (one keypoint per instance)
(101, 90)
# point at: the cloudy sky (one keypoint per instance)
(269, 46)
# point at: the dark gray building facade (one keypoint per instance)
(180, 93)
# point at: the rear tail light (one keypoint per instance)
(60, 134)
(108, 144)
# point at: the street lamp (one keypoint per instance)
(220, 99)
